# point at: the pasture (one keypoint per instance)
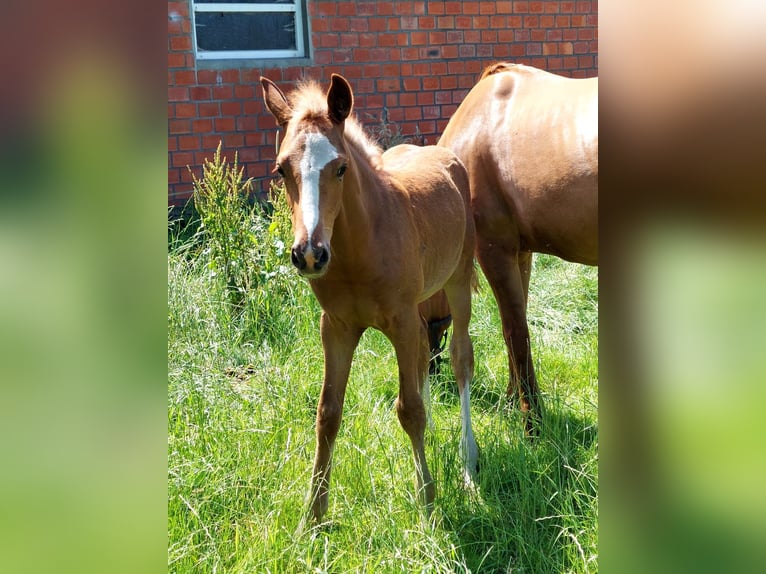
(244, 374)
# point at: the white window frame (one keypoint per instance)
(250, 7)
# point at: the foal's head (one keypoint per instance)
(312, 161)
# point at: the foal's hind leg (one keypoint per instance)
(504, 271)
(408, 335)
(338, 343)
(458, 291)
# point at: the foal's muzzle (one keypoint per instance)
(310, 260)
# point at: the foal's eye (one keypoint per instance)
(342, 170)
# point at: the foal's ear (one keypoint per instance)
(340, 100)
(276, 101)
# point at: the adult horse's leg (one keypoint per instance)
(410, 340)
(502, 266)
(458, 291)
(338, 342)
(525, 269)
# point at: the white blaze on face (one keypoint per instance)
(317, 154)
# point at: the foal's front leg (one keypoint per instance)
(411, 345)
(338, 342)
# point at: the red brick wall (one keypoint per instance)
(416, 59)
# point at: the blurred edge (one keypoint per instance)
(82, 286)
(682, 277)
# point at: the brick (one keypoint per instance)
(435, 8)
(409, 22)
(504, 7)
(427, 23)
(413, 113)
(403, 8)
(180, 43)
(445, 22)
(462, 22)
(244, 92)
(437, 38)
(551, 7)
(223, 92)
(178, 9)
(184, 77)
(431, 83)
(531, 21)
(580, 47)
(487, 7)
(233, 108)
(376, 24)
(448, 52)
(176, 60)
(351, 72)
(208, 109)
(457, 7)
(182, 159)
(234, 140)
(505, 36)
(346, 8)
(554, 35)
(187, 143)
(388, 85)
(185, 110)
(536, 7)
(358, 25)
(391, 70)
(520, 7)
(439, 68)
(178, 94)
(178, 126)
(550, 48)
(498, 21)
(202, 126)
(339, 25)
(325, 8)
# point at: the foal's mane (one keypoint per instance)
(309, 103)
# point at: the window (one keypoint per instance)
(230, 29)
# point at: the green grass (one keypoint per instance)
(242, 393)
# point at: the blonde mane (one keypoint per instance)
(309, 102)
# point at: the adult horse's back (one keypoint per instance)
(529, 140)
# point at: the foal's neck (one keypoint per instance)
(353, 227)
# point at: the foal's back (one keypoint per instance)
(435, 184)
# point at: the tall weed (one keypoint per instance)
(241, 250)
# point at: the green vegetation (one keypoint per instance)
(244, 377)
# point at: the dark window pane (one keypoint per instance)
(240, 31)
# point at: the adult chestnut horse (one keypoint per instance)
(529, 140)
(375, 234)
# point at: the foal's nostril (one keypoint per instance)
(322, 256)
(297, 258)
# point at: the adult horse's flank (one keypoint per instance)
(529, 140)
(375, 234)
